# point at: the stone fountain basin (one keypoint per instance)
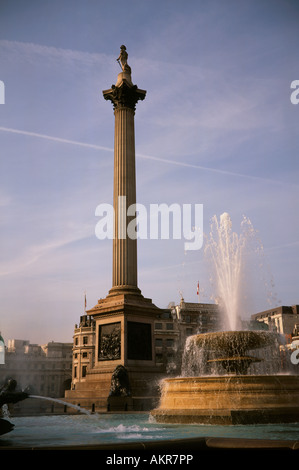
(230, 399)
(231, 343)
(247, 399)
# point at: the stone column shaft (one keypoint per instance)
(124, 96)
(124, 249)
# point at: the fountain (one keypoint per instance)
(229, 349)
(8, 394)
(236, 396)
(224, 391)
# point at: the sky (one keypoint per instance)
(217, 128)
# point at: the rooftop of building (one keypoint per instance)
(21, 346)
(282, 310)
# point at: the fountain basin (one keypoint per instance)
(234, 342)
(235, 399)
(230, 348)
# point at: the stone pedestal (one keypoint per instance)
(120, 404)
(124, 331)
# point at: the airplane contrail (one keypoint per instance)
(138, 155)
(55, 139)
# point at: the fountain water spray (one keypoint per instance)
(225, 250)
(71, 405)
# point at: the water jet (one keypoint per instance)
(65, 403)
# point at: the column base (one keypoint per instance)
(116, 290)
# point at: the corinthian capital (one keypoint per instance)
(124, 95)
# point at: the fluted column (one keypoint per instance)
(124, 96)
(124, 248)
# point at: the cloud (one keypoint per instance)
(34, 253)
(5, 199)
(29, 52)
(283, 246)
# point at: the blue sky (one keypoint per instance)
(217, 128)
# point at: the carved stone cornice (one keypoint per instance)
(124, 95)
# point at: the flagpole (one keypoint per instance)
(198, 290)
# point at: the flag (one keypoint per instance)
(85, 302)
(197, 292)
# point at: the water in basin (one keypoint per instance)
(76, 430)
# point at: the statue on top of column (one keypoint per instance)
(124, 94)
(122, 60)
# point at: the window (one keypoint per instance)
(85, 339)
(169, 326)
(84, 354)
(84, 368)
(170, 342)
(158, 326)
(159, 357)
(166, 315)
(158, 342)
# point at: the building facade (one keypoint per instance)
(83, 349)
(282, 319)
(175, 324)
(45, 370)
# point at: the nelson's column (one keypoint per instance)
(124, 320)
